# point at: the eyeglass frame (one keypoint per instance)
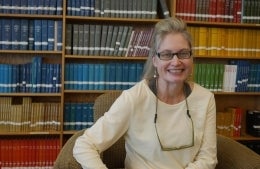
(180, 147)
(175, 54)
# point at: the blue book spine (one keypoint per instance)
(85, 77)
(92, 7)
(16, 34)
(37, 34)
(82, 6)
(6, 34)
(96, 76)
(46, 7)
(44, 33)
(36, 74)
(7, 6)
(24, 7)
(73, 8)
(24, 34)
(80, 77)
(139, 71)
(2, 78)
(50, 34)
(77, 8)
(66, 120)
(91, 75)
(58, 84)
(102, 76)
(132, 74)
(59, 7)
(50, 78)
(43, 78)
(75, 77)
(119, 76)
(15, 78)
(69, 7)
(1, 6)
(31, 35)
(58, 35)
(87, 8)
(90, 115)
(84, 115)
(72, 116)
(55, 78)
(40, 7)
(33, 6)
(112, 76)
(78, 118)
(66, 76)
(107, 76)
(71, 76)
(52, 7)
(15, 8)
(1, 29)
(125, 80)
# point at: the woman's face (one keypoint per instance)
(174, 70)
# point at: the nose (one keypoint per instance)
(175, 59)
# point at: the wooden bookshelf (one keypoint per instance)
(246, 100)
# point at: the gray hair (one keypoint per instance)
(163, 28)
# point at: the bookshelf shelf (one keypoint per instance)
(223, 24)
(31, 16)
(31, 52)
(30, 133)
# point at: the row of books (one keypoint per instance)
(33, 77)
(229, 122)
(222, 42)
(237, 76)
(78, 116)
(24, 34)
(102, 76)
(107, 40)
(42, 7)
(29, 152)
(113, 8)
(235, 11)
(29, 116)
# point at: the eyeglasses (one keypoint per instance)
(184, 54)
(180, 147)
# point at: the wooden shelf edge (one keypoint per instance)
(32, 94)
(104, 57)
(30, 133)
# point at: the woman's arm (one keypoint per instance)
(207, 155)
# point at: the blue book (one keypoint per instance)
(59, 7)
(50, 78)
(69, 7)
(73, 8)
(24, 43)
(50, 35)
(119, 76)
(16, 4)
(107, 76)
(82, 6)
(139, 71)
(75, 77)
(132, 74)
(52, 7)
(40, 7)
(102, 76)
(91, 75)
(6, 34)
(44, 33)
(97, 76)
(33, 6)
(66, 123)
(125, 70)
(58, 83)
(112, 76)
(28, 82)
(79, 77)
(43, 78)
(24, 7)
(92, 7)
(1, 5)
(46, 7)
(6, 76)
(66, 76)
(71, 76)
(31, 35)
(78, 118)
(15, 78)
(16, 34)
(36, 74)
(85, 77)
(90, 115)
(72, 116)
(1, 28)
(84, 115)
(58, 35)
(77, 8)
(2, 78)
(7, 5)
(37, 34)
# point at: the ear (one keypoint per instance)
(154, 61)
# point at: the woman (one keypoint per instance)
(167, 121)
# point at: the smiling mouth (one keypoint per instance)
(175, 70)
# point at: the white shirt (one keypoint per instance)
(132, 115)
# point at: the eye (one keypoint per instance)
(166, 55)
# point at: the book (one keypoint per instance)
(164, 9)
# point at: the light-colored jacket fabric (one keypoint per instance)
(132, 115)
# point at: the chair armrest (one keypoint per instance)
(234, 155)
(65, 158)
